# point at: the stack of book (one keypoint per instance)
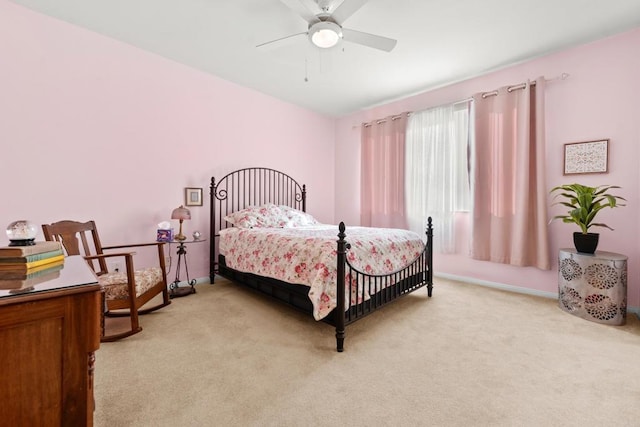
(22, 267)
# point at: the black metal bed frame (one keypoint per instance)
(255, 186)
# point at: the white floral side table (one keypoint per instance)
(593, 286)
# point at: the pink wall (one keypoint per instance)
(91, 128)
(598, 100)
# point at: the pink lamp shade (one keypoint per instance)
(181, 213)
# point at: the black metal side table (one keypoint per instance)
(175, 290)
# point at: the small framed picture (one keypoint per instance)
(192, 196)
(586, 157)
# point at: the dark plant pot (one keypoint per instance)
(585, 243)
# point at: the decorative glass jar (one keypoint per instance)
(22, 233)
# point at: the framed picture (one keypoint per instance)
(586, 157)
(192, 196)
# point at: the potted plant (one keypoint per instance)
(584, 203)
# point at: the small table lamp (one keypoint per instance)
(181, 213)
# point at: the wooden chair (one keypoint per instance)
(129, 289)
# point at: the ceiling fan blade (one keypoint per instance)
(346, 9)
(370, 40)
(273, 43)
(302, 10)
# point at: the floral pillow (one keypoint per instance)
(296, 218)
(268, 215)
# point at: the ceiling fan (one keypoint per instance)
(325, 24)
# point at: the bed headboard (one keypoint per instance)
(248, 187)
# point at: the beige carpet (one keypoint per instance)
(469, 356)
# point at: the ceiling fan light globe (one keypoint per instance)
(325, 38)
(325, 34)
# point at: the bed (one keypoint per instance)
(262, 237)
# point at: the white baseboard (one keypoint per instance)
(511, 288)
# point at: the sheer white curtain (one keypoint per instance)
(437, 178)
(382, 173)
(509, 191)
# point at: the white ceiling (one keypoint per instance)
(439, 41)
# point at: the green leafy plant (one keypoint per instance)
(584, 203)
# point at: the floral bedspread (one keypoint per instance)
(307, 255)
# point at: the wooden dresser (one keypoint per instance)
(48, 336)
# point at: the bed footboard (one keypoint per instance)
(382, 289)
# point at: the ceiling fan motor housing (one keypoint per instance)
(324, 5)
